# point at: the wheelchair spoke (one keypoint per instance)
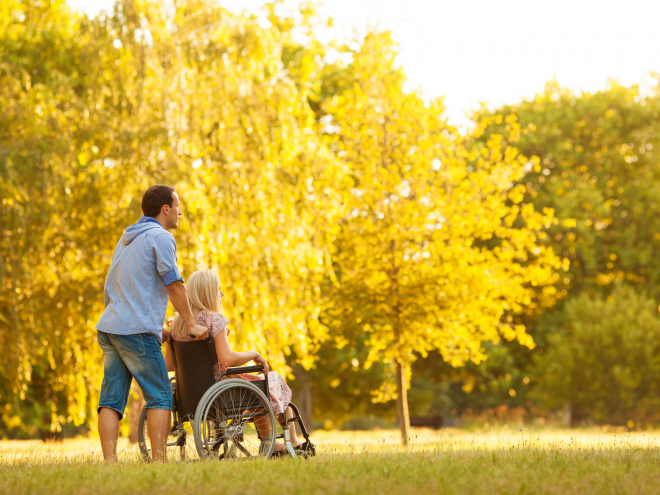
(242, 449)
(237, 421)
(252, 443)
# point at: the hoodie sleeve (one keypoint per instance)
(165, 251)
(106, 292)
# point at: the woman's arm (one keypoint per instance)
(229, 358)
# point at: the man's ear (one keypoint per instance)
(165, 209)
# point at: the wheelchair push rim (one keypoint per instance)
(236, 421)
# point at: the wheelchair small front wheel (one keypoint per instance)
(234, 420)
(180, 440)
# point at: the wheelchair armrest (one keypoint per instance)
(244, 369)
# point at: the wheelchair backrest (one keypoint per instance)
(194, 363)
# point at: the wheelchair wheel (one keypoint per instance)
(180, 441)
(234, 420)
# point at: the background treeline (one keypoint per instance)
(364, 244)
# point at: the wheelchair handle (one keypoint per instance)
(244, 369)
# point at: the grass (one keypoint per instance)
(364, 463)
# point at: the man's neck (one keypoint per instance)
(161, 220)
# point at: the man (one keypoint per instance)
(142, 275)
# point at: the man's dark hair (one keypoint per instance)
(154, 199)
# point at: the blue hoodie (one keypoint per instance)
(143, 264)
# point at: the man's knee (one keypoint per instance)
(109, 414)
(155, 411)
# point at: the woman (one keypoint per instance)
(205, 299)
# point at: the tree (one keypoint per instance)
(598, 171)
(55, 122)
(435, 250)
(93, 111)
(603, 358)
(254, 174)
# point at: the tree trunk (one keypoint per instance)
(402, 403)
(137, 403)
(304, 396)
(568, 415)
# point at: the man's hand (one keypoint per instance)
(179, 297)
(166, 336)
(198, 332)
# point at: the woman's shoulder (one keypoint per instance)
(215, 322)
(205, 313)
(203, 318)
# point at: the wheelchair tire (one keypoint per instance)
(180, 438)
(227, 412)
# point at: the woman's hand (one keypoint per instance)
(260, 360)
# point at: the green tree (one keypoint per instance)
(603, 358)
(598, 171)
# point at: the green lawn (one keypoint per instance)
(365, 463)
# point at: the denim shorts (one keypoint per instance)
(133, 356)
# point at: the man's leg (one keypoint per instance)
(114, 394)
(143, 357)
(109, 433)
(159, 423)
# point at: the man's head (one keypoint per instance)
(162, 203)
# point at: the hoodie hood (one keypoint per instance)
(135, 230)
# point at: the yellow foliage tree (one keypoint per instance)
(434, 249)
(427, 244)
(61, 205)
(93, 111)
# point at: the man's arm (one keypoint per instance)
(179, 297)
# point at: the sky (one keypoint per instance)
(499, 51)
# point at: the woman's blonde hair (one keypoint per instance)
(204, 295)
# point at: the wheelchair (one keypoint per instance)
(221, 418)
